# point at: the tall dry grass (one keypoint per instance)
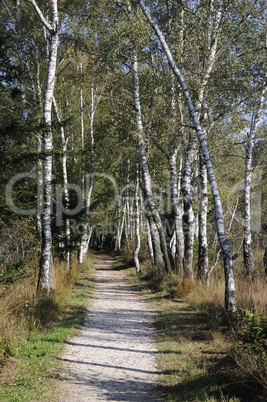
(250, 289)
(245, 337)
(21, 311)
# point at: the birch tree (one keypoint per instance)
(247, 243)
(45, 278)
(230, 300)
(96, 93)
(148, 194)
(64, 142)
(137, 224)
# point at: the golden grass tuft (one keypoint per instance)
(21, 311)
(251, 292)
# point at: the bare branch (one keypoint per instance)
(41, 16)
(158, 145)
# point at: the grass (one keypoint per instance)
(32, 341)
(199, 359)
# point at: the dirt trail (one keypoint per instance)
(113, 357)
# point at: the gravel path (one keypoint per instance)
(113, 357)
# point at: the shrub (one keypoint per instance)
(253, 333)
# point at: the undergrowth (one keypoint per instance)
(200, 346)
(33, 330)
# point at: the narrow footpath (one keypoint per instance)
(113, 357)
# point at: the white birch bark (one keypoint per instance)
(137, 224)
(64, 142)
(84, 243)
(178, 213)
(158, 259)
(247, 243)
(188, 215)
(128, 222)
(129, 215)
(220, 250)
(149, 199)
(213, 28)
(175, 179)
(120, 227)
(39, 192)
(203, 260)
(45, 279)
(84, 237)
(150, 245)
(230, 299)
(82, 141)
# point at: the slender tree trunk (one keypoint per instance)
(188, 216)
(121, 225)
(82, 141)
(203, 260)
(265, 261)
(83, 240)
(219, 252)
(45, 279)
(175, 179)
(158, 259)
(65, 184)
(150, 245)
(137, 224)
(247, 243)
(175, 197)
(84, 243)
(40, 192)
(128, 222)
(149, 199)
(230, 299)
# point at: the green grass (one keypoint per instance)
(29, 375)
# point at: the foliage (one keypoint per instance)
(14, 272)
(253, 333)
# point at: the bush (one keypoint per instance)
(14, 272)
(253, 333)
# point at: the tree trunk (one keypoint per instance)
(150, 245)
(148, 195)
(188, 216)
(158, 259)
(177, 209)
(84, 243)
(65, 183)
(247, 243)
(230, 299)
(45, 279)
(203, 259)
(175, 179)
(121, 225)
(137, 225)
(265, 261)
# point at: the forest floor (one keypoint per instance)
(114, 355)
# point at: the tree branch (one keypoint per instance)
(41, 16)
(158, 145)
